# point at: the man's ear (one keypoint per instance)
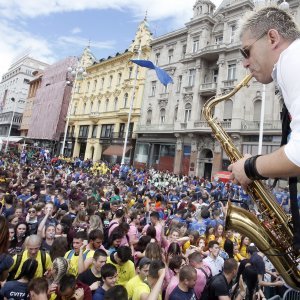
(274, 38)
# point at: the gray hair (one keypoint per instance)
(271, 18)
(33, 239)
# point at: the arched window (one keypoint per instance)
(228, 110)
(98, 106)
(84, 108)
(187, 112)
(175, 113)
(116, 104)
(95, 85)
(88, 87)
(256, 112)
(91, 107)
(162, 116)
(106, 104)
(125, 100)
(149, 116)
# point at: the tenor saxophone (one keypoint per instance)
(272, 232)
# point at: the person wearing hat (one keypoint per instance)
(137, 286)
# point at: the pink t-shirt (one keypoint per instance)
(158, 229)
(171, 286)
(112, 225)
(201, 280)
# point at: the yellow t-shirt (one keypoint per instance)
(243, 252)
(186, 246)
(73, 260)
(39, 270)
(125, 272)
(136, 287)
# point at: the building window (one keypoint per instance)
(187, 112)
(165, 89)
(175, 113)
(95, 85)
(87, 87)
(94, 131)
(162, 117)
(179, 83)
(153, 88)
(219, 39)
(116, 104)
(228, 110)
(77, 88)
(125, 100)
(122, 130)
(106, 104)
(98, 106)
(110, 80)
(170, 55)
(107, 130)
(157, 55)
(215, 75)
(195, 45)
(183, 51)
(91, 108)
(84, 108)
(232, 33)
(102, 83)
(149, 117)
(231, 71)
(83, 131)
(130, 72)
(75, 109)
(191, 77)
(119, 78)
(257, 109)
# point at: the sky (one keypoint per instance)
(50, 30)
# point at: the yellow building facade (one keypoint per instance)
(101, 102)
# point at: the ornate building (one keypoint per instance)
(204, 60)
(101, 103)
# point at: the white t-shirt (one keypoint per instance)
(216, 265)
(286, 75)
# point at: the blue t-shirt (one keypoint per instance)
(99, 294)
(178, 294)
(15, 290)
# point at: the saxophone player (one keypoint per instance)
(271, 51)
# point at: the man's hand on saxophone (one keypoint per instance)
(238, 175)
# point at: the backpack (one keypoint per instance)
(105, 233)
(14, 271)
(209, 280)
(72, 252)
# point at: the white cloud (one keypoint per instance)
(180, 10)
(67, 40)
(14, 41)
(76, 30)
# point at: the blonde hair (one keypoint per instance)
(95, 223)
(60, 266)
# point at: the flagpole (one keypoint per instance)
(130, 109)
(262, 116)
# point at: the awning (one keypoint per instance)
(115, 150)
(11, 139)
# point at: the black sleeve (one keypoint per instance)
(219, 288)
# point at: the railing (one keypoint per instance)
(254, 125)
(5, 118)
(208, 86)
(229, 83)
(188, 88)
(204, 124)
(117, 135)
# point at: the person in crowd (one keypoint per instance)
(18, 289)
(92, 276)
(38, 289)
(185, 287)
(109, 275)
(33, 245)
(121, 259)
(117, 292)
(213, 260)
(70, 288)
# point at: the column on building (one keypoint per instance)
(194, 154)
(76, 144)
(178, 154)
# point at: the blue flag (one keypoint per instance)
(162, 75)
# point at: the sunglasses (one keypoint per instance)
(246, 50)
(31, 211)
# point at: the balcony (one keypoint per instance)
(229, 84)
(116, 137)
(274, 125)
(188, 89)
(95, 114)
(6, 118)
(211, 52)
(204, 125)
(207, 89)
(156, 128)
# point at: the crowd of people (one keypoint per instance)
(73, 229)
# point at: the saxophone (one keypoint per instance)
(272, 232)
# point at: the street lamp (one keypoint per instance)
(76, 72)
